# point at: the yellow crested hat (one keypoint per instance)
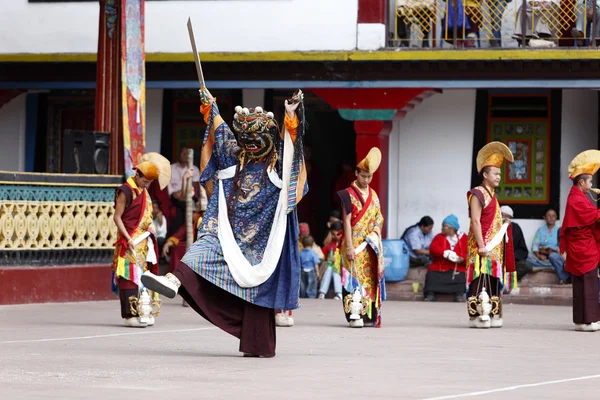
(493, 155)
(587, 162)
(155, 166)
(371, 162)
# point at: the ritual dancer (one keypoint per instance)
(245, 262)
(136, 248)
(490, 256)
(363, 285)
(579, 238)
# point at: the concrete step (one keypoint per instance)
(539, 287)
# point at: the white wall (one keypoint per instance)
(154, 110)
(435, 153)
(220, 26)
(434, 148)
(12, 134)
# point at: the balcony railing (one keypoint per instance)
(56, 219)
(494, 23)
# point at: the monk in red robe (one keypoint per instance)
(446, 273)
(176, 243)
(580, 239)
(136, 247)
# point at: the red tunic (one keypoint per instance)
(579, 234)
(439, 244)
(179, 239)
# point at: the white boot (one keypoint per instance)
(284, 320)
(593, 327)
(134, 323)
(497, 322)
(477, 322)
(356, 323)
(151, 320)
(167, 285)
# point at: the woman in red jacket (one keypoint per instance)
(448, 250)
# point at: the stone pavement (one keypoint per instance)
(423, 351)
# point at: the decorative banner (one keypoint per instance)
(133, 80)
(526, 181)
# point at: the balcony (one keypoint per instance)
(493, 24)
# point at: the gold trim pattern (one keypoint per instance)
(111, 185)
(31, 225)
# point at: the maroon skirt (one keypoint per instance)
(585, 298)
(253, 325)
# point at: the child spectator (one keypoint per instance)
(335, 215)
(310, 269)
(332, 271)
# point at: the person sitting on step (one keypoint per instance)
(418, 238)
(446, 273)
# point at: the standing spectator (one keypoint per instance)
(177, 188)
(310, 269)
(418, 239)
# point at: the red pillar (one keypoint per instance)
(108, 82)
(371, 11)
(376, 134)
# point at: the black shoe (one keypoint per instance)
(430, 297)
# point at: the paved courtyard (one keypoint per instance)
(423, 351)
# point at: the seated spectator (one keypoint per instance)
(446, 273)
(305, 231)
(418, 238)
(335, 215)
(415, 12)
(540, 29)
(584, 24)
(310, 269)
(332, 270)
(468, 23)
(520, 246)
(545, 241)
(558, 264)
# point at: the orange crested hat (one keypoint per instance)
(371, 162)
(587, 162)
(493, 154)
(155, 166)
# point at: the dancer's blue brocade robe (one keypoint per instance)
(253, 217)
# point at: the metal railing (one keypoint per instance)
(494, 23)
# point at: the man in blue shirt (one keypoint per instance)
(418, 239)
(310, 269)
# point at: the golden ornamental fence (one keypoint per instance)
(456, 21)
(56, 225)
(50, 219)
